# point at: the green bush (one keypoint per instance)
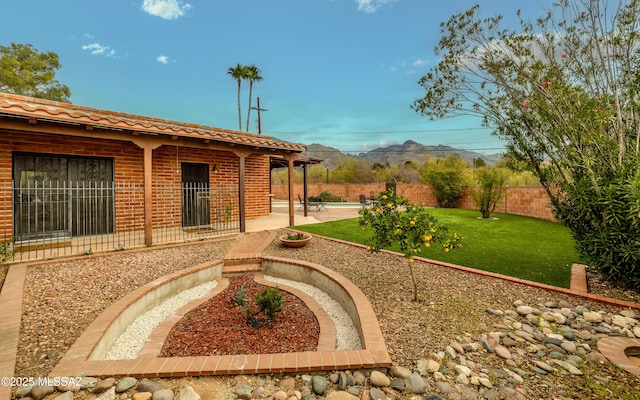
(270, 301)
(605, 222)
(5, 252)
(327, 197)
(448, 185)
(489, 190)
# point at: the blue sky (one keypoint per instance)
(342, 73)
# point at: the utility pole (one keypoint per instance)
(259, 109)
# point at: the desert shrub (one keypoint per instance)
(448, 185)
(605, 221)
(327, 197)
(489, 190)
(5, 252)
(270, 301)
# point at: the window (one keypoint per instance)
(57, 195)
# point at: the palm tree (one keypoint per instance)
(238, 73)
(252, 74)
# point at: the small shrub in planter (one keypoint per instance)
(270, 301)
(240, 298)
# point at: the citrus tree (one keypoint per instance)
(562, 91)
(392, 220)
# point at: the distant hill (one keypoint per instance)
(328, 155)
(397, 154)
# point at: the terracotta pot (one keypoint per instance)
(295, 243)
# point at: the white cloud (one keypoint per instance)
(419, 63)
(371, 6)
(403, 65)
(100, 50)
(166, 9)
(162, 59)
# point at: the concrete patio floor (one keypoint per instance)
(279, 217)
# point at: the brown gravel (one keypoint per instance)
(61, 299)
(207, 329)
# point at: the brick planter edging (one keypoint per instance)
(77, 362)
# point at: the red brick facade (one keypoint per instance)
(128, 162)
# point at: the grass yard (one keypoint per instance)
(513, 245)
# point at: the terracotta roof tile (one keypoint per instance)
(70, 113)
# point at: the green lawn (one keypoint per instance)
(517, 246)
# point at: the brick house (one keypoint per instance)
(71, 175)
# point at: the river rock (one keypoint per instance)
(592, 317)
(142, 396)
(503, 352)
(341, 395)
(104, 385)
(165, 394)
(319, 385)
(65, 396)
(377, 394)
(148, 385)
(126, 384)
(244, 392)
(399, 372)
(379, 379)
(110, 394)
(40, 392)
(187, 393)
(415, 384)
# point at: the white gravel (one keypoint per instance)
(347, 337)
(130, 343)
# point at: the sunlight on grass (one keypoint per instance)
(522, 247)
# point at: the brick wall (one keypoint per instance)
(530, 201)
(129, 172)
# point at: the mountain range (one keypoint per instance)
(397, 154)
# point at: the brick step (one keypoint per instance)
(238, 269)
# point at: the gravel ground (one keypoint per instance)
(61, 299)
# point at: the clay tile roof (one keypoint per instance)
(22, 106)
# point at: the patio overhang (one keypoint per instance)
(304, 162)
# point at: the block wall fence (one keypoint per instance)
(530, 201)
(128, 162)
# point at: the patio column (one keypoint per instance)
(148, 147)
(304, 189)
(241, 198)
(290, 180)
